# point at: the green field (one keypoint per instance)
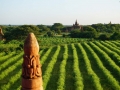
(71, 65)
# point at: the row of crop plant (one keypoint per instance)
(43, 58)
(111, 51)
(112, 48)
(111, 80)
(89, 52)
(94, 78)
(116, 43)
(78, 77)
(61, 80)
(108, 60)
(47, 74)
(113, 44)
(11, 74)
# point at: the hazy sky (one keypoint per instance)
(66, 12)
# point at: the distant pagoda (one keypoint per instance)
(74, 26)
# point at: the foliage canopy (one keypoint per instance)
(20, 32)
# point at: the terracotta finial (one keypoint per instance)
(31, 68)
(31, 45)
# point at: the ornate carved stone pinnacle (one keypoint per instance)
(31, 67)
(31, 46)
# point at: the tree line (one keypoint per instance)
(19, 32)
(94, 31)
(98, 31)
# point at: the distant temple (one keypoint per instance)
(74, 26)
(1, 34)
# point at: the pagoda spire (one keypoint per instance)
(76, 23)
(31, 67)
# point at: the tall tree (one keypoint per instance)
(89, 32)
(57, 26)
